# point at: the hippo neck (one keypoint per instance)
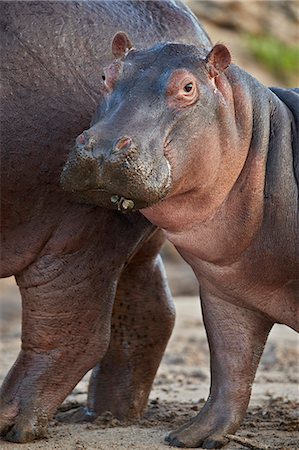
(219, 227)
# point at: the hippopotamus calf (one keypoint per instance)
(93, 288)
(210, 155)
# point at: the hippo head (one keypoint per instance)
(141, 136)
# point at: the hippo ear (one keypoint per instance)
(218, 60)
(121, 44)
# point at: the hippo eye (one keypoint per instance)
(103, 77)
(182, 89)
(188, 87)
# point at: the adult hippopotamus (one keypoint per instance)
(75, 263)
(210, 155)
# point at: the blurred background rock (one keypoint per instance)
(263, 37)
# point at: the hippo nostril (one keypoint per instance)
(123, 143)
(86, 140)
(81, 139)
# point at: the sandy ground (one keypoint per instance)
(181, 385)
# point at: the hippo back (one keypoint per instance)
(290, 97)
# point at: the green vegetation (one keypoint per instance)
(279, 58)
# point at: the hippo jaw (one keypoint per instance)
(122, 184)
(153, 193)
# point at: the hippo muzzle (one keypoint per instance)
(115, 173)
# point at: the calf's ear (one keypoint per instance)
(218, 60)
(121, 44)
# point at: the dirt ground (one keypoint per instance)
(181, 385)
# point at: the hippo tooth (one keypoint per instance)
(125, 204)
(114, 199)
(128, 204)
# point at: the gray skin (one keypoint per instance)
(221, 155)
(83, 272)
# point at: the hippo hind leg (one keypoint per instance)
(236, 338)
(142, 322)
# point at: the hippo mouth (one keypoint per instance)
(116, 201)
(130, 194)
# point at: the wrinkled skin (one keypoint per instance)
(230, 207)
(83, 272)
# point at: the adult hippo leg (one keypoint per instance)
(64, 320)
(232, 333)
(142, 321)
(67, 296)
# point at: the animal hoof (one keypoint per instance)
(17, 426)
(214, 443)
(25, 432)
(16, 434)
(196, 433)
(174, 442)
(208, 443)
(76, 415)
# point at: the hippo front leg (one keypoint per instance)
(142, 322)
(67, 306)
(236, 339)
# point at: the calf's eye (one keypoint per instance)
(188, 87)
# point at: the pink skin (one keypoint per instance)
(218, 219)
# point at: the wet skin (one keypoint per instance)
(222, 151)
(83, 272)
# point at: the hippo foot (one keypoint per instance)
(201, 432)
(21, 427)
(76, 415)
(206, 443)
